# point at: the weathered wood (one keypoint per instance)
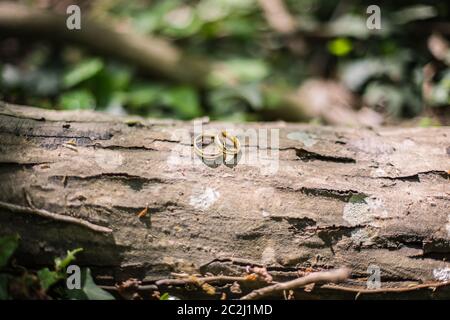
(338, 197)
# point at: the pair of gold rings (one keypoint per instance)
(220, 141)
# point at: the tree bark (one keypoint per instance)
(324, 198)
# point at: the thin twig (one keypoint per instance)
(148, 287)
(194, 280)
(315, 277)
(54, 216)
(360, 290)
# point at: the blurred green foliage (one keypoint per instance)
(384, 67)
(16, 282)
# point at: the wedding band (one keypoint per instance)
(223, 145)
(200, 151)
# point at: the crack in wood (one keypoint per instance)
(306, 156)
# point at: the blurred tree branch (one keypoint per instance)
(153, 55)
(282, 22)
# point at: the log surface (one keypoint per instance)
(324, 198)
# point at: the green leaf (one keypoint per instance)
(349, 25)
(239, 27)
(225, 101)
(426, 122)
(143, 96)
(83, 71)
(229, 101)
(61, 264)
(110, 84)
(165, 296)
(89, 290)
(8, 245)
(388, 96)
(440, 95)
(48, 278)
(212, 10)
(42, 82)
(242, 70)
(340, 47)
(78, 99)
(352, 25)
(273, 98)
(11, 77)
(119, 77)
(184, 100)
(357, 73)
(152, 19)
(252, 95)
(181, 22)
(4, 280)
(413, 13)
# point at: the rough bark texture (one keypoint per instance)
(339, 197)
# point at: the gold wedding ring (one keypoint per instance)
(199, 149)
(221, 143)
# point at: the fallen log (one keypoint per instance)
(143, 205)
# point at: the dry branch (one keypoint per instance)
(54, 216)
(431, 285)
(332, 276)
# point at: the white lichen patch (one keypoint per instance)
(181, 154)
(265, 214)
(364, 211)
(268, 255)
(307, 139)
(372, 145)
(379, 172)
(108, 159)
(363, 237)
(204, 198)
(442, 274)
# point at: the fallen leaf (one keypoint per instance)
(235, 288)
(251, 277)
(128, 289)
(262, 273)
(143, 213)
(209, 289)
(194, 280)
(72, 142)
